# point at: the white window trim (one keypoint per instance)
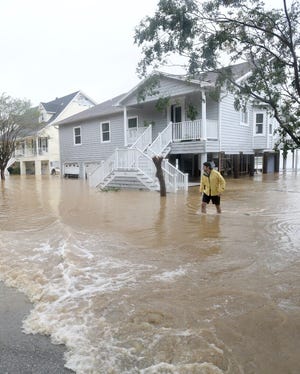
(137, 121)
(74, 136)
(263, 124)
(248, 117)
(101, 132)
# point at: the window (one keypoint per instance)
(259, 123)
(244, 116)
(43, 145)
(132, 123)
(105, 132)
(77, 135)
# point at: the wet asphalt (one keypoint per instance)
(22, 353)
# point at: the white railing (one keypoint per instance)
(144, 139)
(174, 177)
(11, 161)
(101, 172)
(134, 133)
(187, 130)
(191, 130)
(120, 158)
(29, 152)
(161, 142)
(134, 159)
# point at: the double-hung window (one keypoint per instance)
(77, 135)
(105, 132)
(259, 123)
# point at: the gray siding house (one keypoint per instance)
(112, 144)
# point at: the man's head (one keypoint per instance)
(207, 166)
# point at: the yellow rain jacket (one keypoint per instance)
(212, 185)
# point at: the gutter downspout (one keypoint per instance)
(125, 125)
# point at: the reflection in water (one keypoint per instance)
(135, 283)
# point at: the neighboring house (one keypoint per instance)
(38, 153)
(112, 144)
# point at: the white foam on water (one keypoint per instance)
(83, 288)
(197, 368)
(169, 276)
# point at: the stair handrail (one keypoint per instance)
(11, 161)
(107, 166)
(98, 174)
(161, 142)
(174, 177)
(132, 158)
(143, 140)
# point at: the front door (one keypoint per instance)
(176, 113)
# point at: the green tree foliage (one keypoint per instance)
(17, 118)
(214, 34)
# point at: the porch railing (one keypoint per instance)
(29, 152)
(191, 130)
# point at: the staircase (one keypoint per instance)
(10, 162)
(133, 167)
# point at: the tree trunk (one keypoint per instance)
(2, 174)
(159, 174)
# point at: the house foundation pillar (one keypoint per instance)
(251, 165)
(38, 167)
(203, 158)
(236, 166)
(22, 168)
(277, 162)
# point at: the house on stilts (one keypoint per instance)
(112, 144)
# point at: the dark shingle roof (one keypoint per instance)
(102, 109)
(58, 105)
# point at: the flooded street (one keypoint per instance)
(134, 283)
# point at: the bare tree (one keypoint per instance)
(17, 118)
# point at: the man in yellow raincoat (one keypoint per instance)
(212, 184)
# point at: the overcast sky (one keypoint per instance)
(52, 48)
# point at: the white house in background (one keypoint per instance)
(112, 144)
(38, 153)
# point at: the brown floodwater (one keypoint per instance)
(134, 283)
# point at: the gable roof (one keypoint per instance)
(102, 109)
(57, 105)
(176, 77)
(205, 80)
